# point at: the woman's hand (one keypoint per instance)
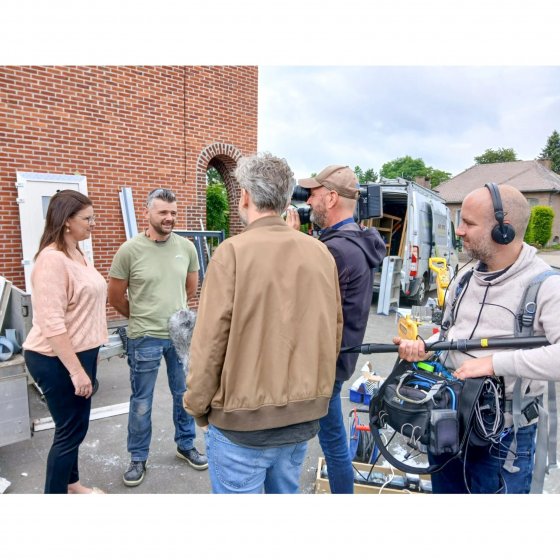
(82, 384)
(62, 347)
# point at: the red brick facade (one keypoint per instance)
(139, 127)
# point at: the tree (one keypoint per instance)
(369, 175)
(500, 155)
(213, 177)
(552, 151)
(405, 167)
(437, 176)
(410, 168)
(217, 206)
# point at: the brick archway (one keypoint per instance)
(224, 158)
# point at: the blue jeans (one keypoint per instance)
(334, 443)
(144, 358)
(235, 469)
(483, 468)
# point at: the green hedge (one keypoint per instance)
(539, 230)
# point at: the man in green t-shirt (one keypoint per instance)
(160, 271)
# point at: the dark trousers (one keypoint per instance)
(483, 472)
(334, 443)
(69, 412)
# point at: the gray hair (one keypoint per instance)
(268, 180)
(161, 194)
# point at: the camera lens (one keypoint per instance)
(300, 194)
(304, 214)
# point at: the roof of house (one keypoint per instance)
(527, 176)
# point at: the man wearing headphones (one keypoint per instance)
(483, 302)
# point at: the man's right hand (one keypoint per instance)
(411, 350)
(292, 218)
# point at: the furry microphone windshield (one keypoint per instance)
(181, 327)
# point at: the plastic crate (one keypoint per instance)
(356, 396)
(362, 393)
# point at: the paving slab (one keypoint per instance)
(103, 455)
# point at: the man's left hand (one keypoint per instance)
(478, 367)
(292, 218)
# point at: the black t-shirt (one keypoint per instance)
(274, 437)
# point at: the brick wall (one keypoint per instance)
(139, 127)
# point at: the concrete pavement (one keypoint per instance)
(103, 455)
(551, 257)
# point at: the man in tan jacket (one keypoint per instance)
(264, 348)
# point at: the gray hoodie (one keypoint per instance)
(501, 298)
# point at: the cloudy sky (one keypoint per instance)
(368, 115)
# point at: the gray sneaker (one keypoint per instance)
(195, 459)
(134, 475)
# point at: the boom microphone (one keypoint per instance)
(461, 345)
(181, 327)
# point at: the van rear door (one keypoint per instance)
(443, 234)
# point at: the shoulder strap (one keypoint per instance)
(547, 422)
(525, 315)
(463, 282)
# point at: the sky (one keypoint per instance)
(315, 116)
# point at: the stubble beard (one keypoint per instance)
(319, 217)
(158, 228)
(481, 252)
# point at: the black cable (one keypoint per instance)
(480, 311)
(454, 310)
(502, 306)
(500, 477)
(454, 276)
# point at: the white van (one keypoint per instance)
(416, 225)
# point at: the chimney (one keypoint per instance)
(423, 182)
(546, 163)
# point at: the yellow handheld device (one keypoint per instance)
(439, 266)
(407, 328)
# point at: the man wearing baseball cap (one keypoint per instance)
(333, 195)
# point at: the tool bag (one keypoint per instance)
(433, 411)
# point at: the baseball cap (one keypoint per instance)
(339, 178)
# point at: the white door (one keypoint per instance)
(34, 193)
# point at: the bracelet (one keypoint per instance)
(73, 375)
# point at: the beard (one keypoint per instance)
(481, 252)
(163, 228)
(319, 216)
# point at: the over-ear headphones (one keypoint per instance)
(502, 233)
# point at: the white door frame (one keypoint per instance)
(25, 193)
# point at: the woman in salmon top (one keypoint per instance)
(69, 325)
